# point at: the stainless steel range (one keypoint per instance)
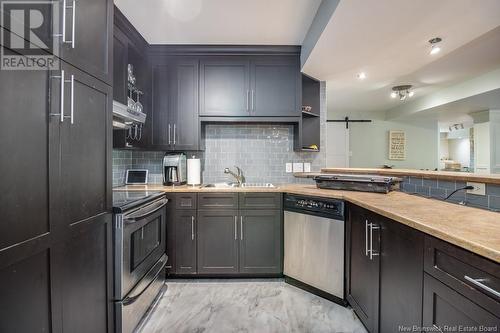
(139, 253)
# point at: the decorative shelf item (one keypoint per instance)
(309, 114)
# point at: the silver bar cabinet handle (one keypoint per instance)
(64, 22)
(366, 238)
(168, 133)
(72, 98)
(174, 132)
(241, 227)
(248, 92)
(192, 227)
(73, 28)
(252, 102)
(62, 95)
(478, 283)
(372, 227)
(235, 227)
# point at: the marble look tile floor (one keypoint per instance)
(256, 305)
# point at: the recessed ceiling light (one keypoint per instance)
(361, 75)
(435, 48)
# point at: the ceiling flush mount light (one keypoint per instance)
(361, 76)
(456, 127)
(435, 48)
(403, 92)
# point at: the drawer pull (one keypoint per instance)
(478, 283)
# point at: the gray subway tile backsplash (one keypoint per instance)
(261, 150)
(493, 189)
(439, 189)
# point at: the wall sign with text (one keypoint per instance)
(397, 145)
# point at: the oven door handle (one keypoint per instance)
(131, 299)
(146, 211)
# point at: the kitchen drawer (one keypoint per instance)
(185, 200)
(260, 200)
(445, 310)
(218, 200)
(473, 276)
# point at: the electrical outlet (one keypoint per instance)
(479, 188)
(307, 167)
(298, 167)
(288, 167)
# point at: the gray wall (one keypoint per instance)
(261, 150)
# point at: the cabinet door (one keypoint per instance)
(160, 120)
(84, 279)
(401, 268)
(275, 86)
(446, 310)
(170, 228)
(185, 241)
(120, 61)
(217, 241)
(184, 98)
(224, 86)
(260, 241)
(29, 156)
(88, 36)
(363, 271)
(84, 180)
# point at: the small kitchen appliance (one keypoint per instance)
(363, 183)
(174, 169)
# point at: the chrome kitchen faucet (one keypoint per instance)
(239, 176)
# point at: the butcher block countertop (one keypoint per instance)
(448, 175)
(473, 229)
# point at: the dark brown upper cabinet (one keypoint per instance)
(225, 86)
(184, 103)
(275, 83)
(174, 121)
(129, 47)
(250, 86)
(87, 38)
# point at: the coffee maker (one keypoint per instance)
(174, 169)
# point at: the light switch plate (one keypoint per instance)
(298, 167)
(307, 167)
(288, 167)
(479, 188)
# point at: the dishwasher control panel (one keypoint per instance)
(324, 206)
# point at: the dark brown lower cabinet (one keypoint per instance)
(260, 241)
(218, 241)
(185, 241)
(84, 277)
(401, 269)
(363, 272)
(446, 310)
(170, 228)
(384, 276)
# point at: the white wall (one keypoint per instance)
(459, 151)
(369, 142)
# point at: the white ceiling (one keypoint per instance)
(264, 22)
(459, 111)
(388, 39)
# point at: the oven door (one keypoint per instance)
(139, 243)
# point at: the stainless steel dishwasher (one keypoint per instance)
(314, 244)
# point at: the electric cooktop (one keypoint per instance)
(124, 200)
